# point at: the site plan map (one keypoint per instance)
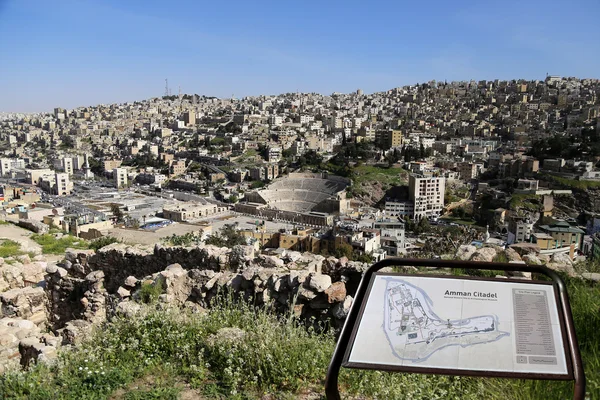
(433, 322)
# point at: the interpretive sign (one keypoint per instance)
(440, 324)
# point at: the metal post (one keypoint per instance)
(331, 381)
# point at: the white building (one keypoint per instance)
(399, 208)
(427, 195)
(67, 165)
(120, 177)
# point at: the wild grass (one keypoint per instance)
(150, 355)
(52, 245)
(9, 248)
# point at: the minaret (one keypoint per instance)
(87, 172)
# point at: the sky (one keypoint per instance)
(75, 53)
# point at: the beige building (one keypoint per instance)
(191, 211)
(34, 175)
(110, 165)
(177, 168)
(58, 184)
(427, 195)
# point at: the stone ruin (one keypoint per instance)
(45, 305)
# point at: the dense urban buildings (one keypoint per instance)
(503, 154)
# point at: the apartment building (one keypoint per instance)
(177, 168)
(120, 177)
(427, 195)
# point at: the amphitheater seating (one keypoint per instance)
(300, 193)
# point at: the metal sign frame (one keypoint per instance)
(347, 335)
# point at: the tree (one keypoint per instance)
(227, 237)
(116, 212)
(233, 198)
(344, 250)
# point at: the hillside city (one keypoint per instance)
(500, 160)
(125, 227)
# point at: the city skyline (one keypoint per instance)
(73, 54)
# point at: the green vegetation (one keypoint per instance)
(186, 239)
(10, 248)
(346, 250)
(257, 185)
(268, 356)
(572, 183)
(585, 303)
(116, 212)
(149, 292)
(528, 202)
(99, 243)
(52, 245)
(386, 176)
(227, 237)
(458, 220)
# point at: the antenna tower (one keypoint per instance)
(167, 92)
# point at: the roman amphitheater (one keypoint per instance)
(304, 198)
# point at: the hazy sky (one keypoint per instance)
(85, 52)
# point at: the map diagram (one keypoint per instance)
(415, 332)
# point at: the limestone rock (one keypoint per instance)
(319, 282)
(131, 281)
(566, 268)
(465, 252)
(75, 331)
(532, 259)
(306, 294)
(271, 261)
(485, 254)
(512, 255)
(561, 258)
(336, 292)
(128, 308)
(123, 293)
(591, 276)
(341, 310)
(241, 256)
(297, 278)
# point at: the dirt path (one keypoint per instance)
(21, 236)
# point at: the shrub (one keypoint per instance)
(149, 292)
(51, 245)
(99, 243)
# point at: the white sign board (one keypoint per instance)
(501, 327)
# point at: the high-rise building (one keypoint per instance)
(63, 185)
(120, 177)
(427, 195)
(67, 164)
(189, 118)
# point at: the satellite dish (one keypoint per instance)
(54, 211)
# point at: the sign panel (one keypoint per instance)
(442, 324)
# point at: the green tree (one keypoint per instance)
(227, 237)
(116, 211)
(344, 250)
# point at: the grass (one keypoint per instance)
(159, 354)
(572, 183)
(51, 245)
(10, 248)
(585, 303)
(279, 358)
(393, 176)
(525, 201)
(457, 220)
